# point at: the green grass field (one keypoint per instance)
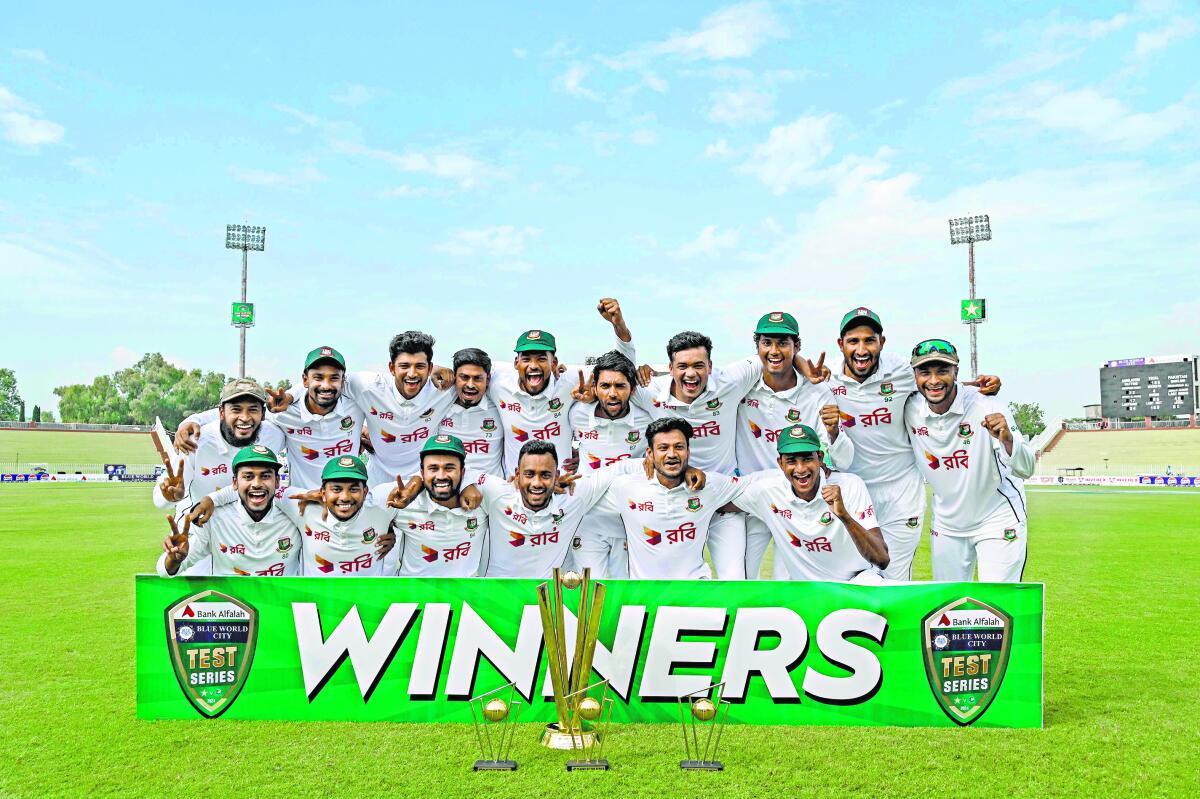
(1120, 569)
(59, 447)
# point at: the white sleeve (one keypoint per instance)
(741, 375)
(1022, 461)
(224, 496)
(591, 488)
(202, 418)
(627, 349)
(857, 500)
(724, 489)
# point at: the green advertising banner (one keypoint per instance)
(401, 649)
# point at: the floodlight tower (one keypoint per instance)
(968, 230)
(244, 238)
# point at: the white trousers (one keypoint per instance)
(727, 545)
(900, 510)
(999, 552)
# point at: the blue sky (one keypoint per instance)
(475, 170)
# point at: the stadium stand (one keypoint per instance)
(1123, 452)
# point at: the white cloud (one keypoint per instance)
(520, 52)
(407, 192)
(654, 82)
(32, 54)
(644, 137)
(744, 106)
(518, 267)
(1092, 114)
(85, 165)
(710, 243)
(354, 95)
(571, 82)
(718, 149)
(1150, 42)
(21, 122)
(736, 31)
(287, 180)
(500, 241)
(791, 153)
(468, 172)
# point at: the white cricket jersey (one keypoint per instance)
(479, 429)
(209, 468)
(872, 414)
(974, 481)
(398, 427)
(312, 439)
(604, 442)
(666, 528)
(435, 541)
(811, 542)
(542, 416)
(526, 543)
(239, 545)
(763, 414)
(336, 548)
(713, 415)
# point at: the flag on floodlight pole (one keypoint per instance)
(968, 230)
(244, 238)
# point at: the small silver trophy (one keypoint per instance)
(495, 715)
(702, 714)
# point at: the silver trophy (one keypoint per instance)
(495, 715)
(702, 715)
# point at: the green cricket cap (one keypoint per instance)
(797, 438)
(255, 454)
(778, 322)
(242, 387)
(346, 467)
(445, 443)
(324, 354)
(934, 350)
(861, 316)
(535, 341)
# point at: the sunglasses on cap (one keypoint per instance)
(934, 345)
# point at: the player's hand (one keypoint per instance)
(172, 487)
(403, 493)
(987, 384)
(385, 543)
(610, 309)
(186, 437)
(831, 418)
(645, 374)
(814, 372)
(364, 442)
(278, 400)
(584, 392)
(997, 425)
(306, 498)
(470, 498)
(201, 512)
(565, 484)
(442, 377)
(833, 498)
(694, 478)
(176, 544)
(571, 464)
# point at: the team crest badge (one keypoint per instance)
(368, 535)
(576, 542)
(912, 522)
(965, 431)
(260, 449)
(713, 404)
(554, 404)
(472, 523)
(533, 335)
(347, 461)
(966, 646)
(427, 414)
(347, 423)
(775, 316)
(793, 415)
(210, 637)
(1010, 534)
(488, 425)
(886, 389)
(693, 503)
(442, 439)
(633, 437)
(826, 518)
(284, 545)
(557, 517)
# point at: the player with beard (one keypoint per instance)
(871, 389)
(533, 400)
(473, 418)
(783, 397)
(326, 425)
(439, 535)
(606, 431)
(968, 449)
(823, 522)
(239, 423)
(666, 518)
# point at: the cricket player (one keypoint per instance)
(238, 422)
(324, 426)
(250, 536)
(823, 522)
(607, 431)
(871, 390)
(473, 418)
(782, 397)
(667, 521)
(439, 536)
(969, 450)
(533, 400)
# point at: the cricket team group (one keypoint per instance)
(499, 469)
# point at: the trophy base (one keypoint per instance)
(495, 765)
(587, 765)
(701, 765)
(556, 738)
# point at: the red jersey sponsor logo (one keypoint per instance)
(707, 429)
(517, 540)
(221, 468)
(323, 565)
(517, 516)
(653, 537)
(343, 447)
(382, 414)
(919, 431)
(876, 417)
(515, 407)
(642, 506)
(387, 437)
(428, 554)
(309, 454)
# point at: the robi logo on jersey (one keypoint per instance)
(653, 537)
(429, 555)
(518, 540)
(387, 437)
(309, 454)
(323, 565)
